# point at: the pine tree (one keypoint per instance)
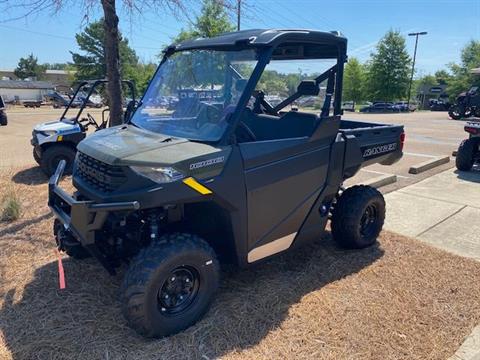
(389, 68)
(29, 68)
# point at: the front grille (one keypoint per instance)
(101, 176)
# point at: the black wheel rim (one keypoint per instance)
(179, 290)
(368, 223)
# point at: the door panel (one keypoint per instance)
(281, 190)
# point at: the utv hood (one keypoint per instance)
(130, 145)
(59, 126)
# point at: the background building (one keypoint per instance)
(23, 90)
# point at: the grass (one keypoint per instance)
(398, 300)
(10, 206)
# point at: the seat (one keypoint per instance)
(289, 125)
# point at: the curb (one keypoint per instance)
(429, 164)
(381, 180)
(469, 350)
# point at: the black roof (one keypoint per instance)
(264, 38)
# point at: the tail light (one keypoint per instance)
(472, 130)
(402, 140)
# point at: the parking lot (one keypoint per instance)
(428, 135)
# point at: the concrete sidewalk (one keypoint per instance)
(444, 211)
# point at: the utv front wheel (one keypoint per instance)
(3, 119)
(456, 112)
(37, 158)
(169, 285)
(358, 217)
(466, 154)
(52, 156)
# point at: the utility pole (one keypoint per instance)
(239, 6)
(413, 64)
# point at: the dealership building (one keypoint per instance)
(24, 90)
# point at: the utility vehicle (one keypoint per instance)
(466, 105)
(469, 150)
(58, 140)
(3, 113)
(223, 178)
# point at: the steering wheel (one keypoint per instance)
(91, 120)
(208, 114)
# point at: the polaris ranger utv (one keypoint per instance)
(225, 176)
(57, 140)
(469, 150)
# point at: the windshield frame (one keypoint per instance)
(262, 54)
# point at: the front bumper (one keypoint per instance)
(82, 218)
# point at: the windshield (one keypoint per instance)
(193, 92)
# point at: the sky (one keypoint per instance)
(450, 25)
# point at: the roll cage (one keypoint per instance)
(93, 84)
(278, 45)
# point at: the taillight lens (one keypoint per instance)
(471, 130)
(402, 140)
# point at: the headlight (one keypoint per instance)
(160, 175)
(48, 132)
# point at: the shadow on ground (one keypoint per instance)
(30, 176)
(21, 225)
(472, 175)
(85, 319)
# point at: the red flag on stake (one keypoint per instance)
(61, 272)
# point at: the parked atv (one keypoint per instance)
(58, 140)
(3, 113)
(469, 150)
(467, 105)
(223, 177)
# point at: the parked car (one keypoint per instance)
(59, 100)
(404, 106)
(380, 107)
(348, 106)
(3, 113)
(439, 105)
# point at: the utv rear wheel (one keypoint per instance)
(466, 154)
(52, 156)
(67, 243)
(169, 285)
(358, 217)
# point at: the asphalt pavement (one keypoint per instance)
(428, 135)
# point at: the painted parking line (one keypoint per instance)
(420, 155)
(382, 173)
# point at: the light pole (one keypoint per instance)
(413, 64)
(239, 9)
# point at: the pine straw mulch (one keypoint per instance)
(398, 300)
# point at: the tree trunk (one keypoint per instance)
(112, 60)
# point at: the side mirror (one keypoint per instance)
(308, 88)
